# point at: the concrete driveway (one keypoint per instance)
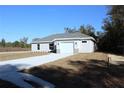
(34, 61)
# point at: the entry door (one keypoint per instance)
(66, 47)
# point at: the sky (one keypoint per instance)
(39, 21)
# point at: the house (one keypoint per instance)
(73, 42)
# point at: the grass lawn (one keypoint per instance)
(81, 70)
(17, 55)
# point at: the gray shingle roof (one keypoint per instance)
(62, 35)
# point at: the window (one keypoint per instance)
(84, 41)
(51, 46)
(38, 46)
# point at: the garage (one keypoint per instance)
(44, 47)
(66, 47)
(74, 42)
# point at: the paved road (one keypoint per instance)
(34, 61)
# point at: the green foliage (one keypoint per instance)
(113, 39)
(8, 44)
(88, 30)
(70, 30)
(22, 43)
(3, 42)
(24, 40)
(16, 44)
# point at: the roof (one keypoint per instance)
(61, 36)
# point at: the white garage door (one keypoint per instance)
(66, 47)
(44, 47)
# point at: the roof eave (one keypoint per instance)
(75, 38)
(40, 42)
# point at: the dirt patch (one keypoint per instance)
(81, 70)
(17, 55)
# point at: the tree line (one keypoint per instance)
(113, 26)
(22, 43)
(112, 38)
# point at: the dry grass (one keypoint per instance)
(8, 49)
(17, 55)
(85, 57)
(81, 70)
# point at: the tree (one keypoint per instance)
(24, 40)
(113, 37)
(82, 29)
(8, 44)
(70, 30)
(3, 42)
(88, 30)
(16, 44)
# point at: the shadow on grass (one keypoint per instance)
(94, 73)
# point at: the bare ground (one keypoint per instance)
(16, 55)
(81, 70)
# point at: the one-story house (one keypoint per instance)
(73, 42)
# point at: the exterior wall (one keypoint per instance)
(44, 47)
(34, 47)
(86, 47)
(79, 47)
(56, 43)
(76, 46)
